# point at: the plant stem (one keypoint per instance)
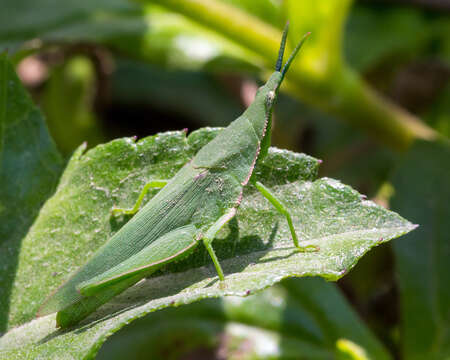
(354, 101)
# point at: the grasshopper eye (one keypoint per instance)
(270, 98)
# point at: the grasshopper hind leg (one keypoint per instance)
(150, 185)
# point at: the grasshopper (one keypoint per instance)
(190, 208)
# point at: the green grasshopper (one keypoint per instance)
(190, 208)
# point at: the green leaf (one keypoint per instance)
(255, 249)
(72, 21)
(421, 184)
(30, 167)
(301, 319)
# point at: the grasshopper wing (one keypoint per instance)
(100, 289)
(169, 247)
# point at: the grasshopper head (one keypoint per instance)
(270, 89)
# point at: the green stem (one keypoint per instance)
(230, 21)
(340, 91)
(354, 101)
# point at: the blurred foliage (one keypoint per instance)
(377, 35)
(173, 70)
(301, 319)
(30, 167)
(68, 104)
(422, 264)
(438, 114)
(198, 35)
(195, 96)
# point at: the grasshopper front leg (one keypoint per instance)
(269, 195)
(150, 185)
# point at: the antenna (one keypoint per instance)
(282, 46)
(294, 53)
